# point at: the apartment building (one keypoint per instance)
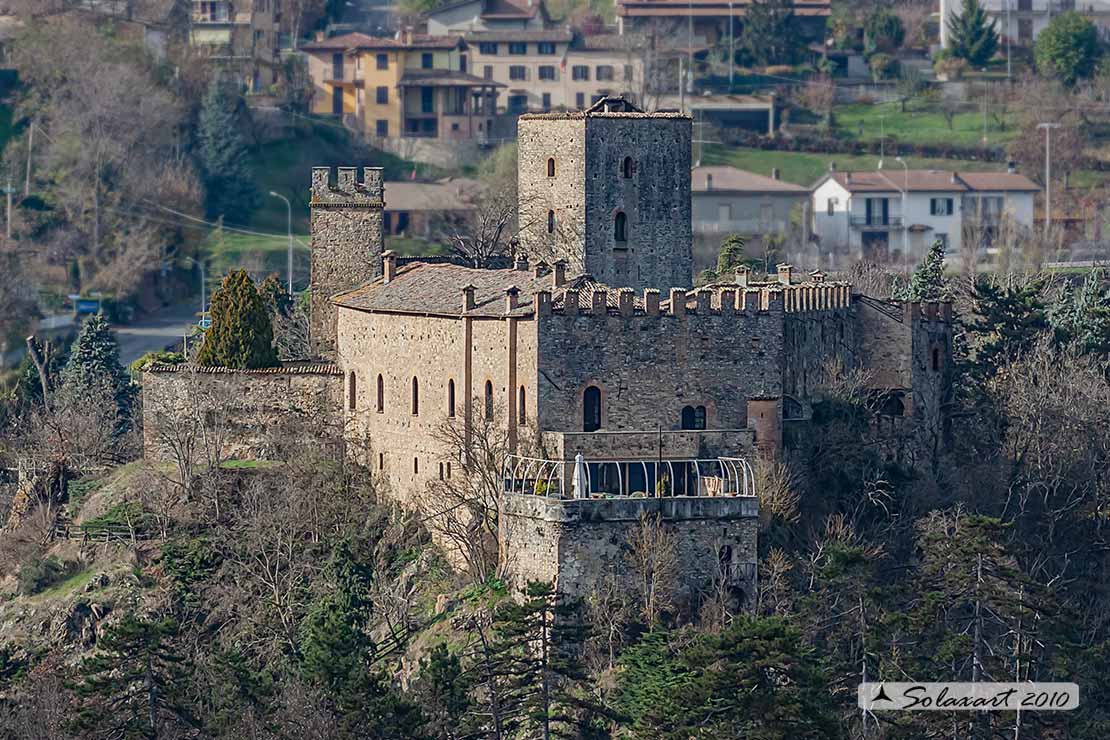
(894, 215)
(1023, 20)
(544, 66)
(243, 35)
(395, 90)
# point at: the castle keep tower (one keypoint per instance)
(608, 190)
(346, 244)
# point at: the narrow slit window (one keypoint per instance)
(451, 399)
(628, 168)
(551, 222)
(620, 227)
(415, 397)
(489, 401)
(381, 394)
(551, 167)
(522, 406)
(352, 393)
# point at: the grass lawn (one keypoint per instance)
(803, 168)
(922, 123)
(76, 581)
(258, 255)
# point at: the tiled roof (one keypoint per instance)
(504, 9)
(425, 288)
(1008, 181)
(303, 368)
(349, 41)
(931, 181)
(444, 195)
(731, 179)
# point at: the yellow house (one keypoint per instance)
(410, 86)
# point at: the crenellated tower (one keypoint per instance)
(347, 243)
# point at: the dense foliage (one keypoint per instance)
(972, 33)
(241, 334)
(1068, 48)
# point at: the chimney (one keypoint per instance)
(539, 269)
(406, 36)
(521, 264)
(320, 35)
(468, 297)
(743, 272)
(559, 275)
(512, 298)
(708, 181)
(774, 173)
(848, 177)
(1011, 167)
(784, 273)
(955, 178)
(832, 166)
(389, 266)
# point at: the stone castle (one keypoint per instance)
(645, 396)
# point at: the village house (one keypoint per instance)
(418, 209)
(727, 200)
(896, 214)
(241, 34)
(399, 92)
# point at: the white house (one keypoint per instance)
(893, 215)
(727, 200)
(1023, 20)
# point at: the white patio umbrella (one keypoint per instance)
(581, 487)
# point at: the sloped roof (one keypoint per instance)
(504, 9)
(731, 179)
(350, 41)
(930, 181)
(443, 195)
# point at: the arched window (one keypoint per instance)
(415, 396)
(693, 417)
(522, 407)
(620, 227)
(381, 394)
(628, 168)
(551, 166)
(489, 401)
(591, 409)
(352, 393)
(551, 222)
(451, 399)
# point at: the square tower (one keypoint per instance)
(347, 243)
(608, 190)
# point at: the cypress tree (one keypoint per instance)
(223, 151)
(241, 335)
(94, 369)
(973, 34)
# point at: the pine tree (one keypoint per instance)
(443, 689)
(133, 683)
(93, 371)
(223, 153)
(1082, 317)
(1005, 322)
(732, 255)
(769, 35)
(927, 282)
(972, 34)
(241, 335)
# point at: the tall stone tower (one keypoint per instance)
(608, 190)
(346, 243)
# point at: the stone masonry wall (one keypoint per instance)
(347, 244)
(648, 367)
(655, 200)
(565, 194)
(247, 405)
(578, 543)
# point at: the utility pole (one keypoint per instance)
(690, 46)
(289, 231)
(1009, 67)
(731, 49)
(1047, 174)
(30, 147)
(8, 220)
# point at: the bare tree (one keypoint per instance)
(607, 610)
(652, 560)
(461, 509)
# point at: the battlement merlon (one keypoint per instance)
(347, 191)
(935, 311)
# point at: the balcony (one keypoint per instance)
(597, 479)
(876, 222)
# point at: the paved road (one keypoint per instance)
(156, 331)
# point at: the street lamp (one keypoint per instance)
(289, 231)
(1047, 173)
